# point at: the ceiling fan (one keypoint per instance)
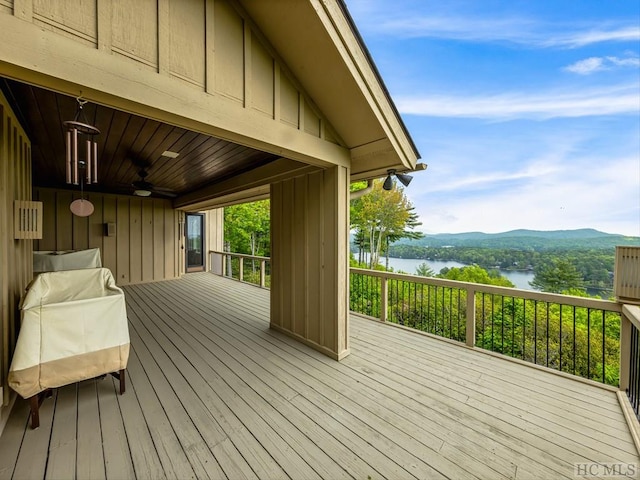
(144, 188)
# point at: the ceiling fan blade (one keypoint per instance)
(162, 193)
(163, 189)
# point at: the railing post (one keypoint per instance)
(240, 268)
(384, 303)
(224, 265)
(625, 351)
(262, 273)
(626, 326)
(470, 334)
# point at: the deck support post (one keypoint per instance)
(310, 259)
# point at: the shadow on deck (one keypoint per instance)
(214, 393)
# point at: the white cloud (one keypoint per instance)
(616, 100)
(624, 62)
(595, 64)
(493, 179)
(581, 38)
(604, 196)
(516, 30)
(586, 66)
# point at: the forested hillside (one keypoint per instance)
(526, 240)
(590, 252)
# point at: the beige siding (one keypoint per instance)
(214, 229)
(15, 255)
(76, 19)
(262, 79)
(187, 48)
(6, 6)
(135, 31)
(289, 103)
(135, 56)
(229, 51)
(145, 247)
(309, 283)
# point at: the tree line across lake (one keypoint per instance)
(581, 268)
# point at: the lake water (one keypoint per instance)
(408, 265)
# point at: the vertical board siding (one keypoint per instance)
(16, 266)
(262, 78)
(134, 30)
(300, 250)
(145, 247)
(214, 233)
(135, 240)
(158, 241)
(186, 41)
(627, 274)
(210, 45)
(229, 46)
(96, 223)
(76, 19)
(309, 281)
(6, 6)
(147, 242)
(311, 120)
(289, 102)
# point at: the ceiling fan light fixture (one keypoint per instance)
(141, 193)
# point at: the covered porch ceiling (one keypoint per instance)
(127, 144)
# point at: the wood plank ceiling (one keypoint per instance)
(126, 144)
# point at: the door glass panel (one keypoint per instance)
(195, 241)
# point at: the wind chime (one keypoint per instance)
(81, 169)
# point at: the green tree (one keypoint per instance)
(247, 228)
(381, 216)
(408, 232)
(556, 276)
(475, 274)
(424, 270)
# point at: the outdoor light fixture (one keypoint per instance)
(81, 158)
(79, 140)
(404, 179)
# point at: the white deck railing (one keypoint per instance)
(575, 335)
(232, 265)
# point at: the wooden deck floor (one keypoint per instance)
(213, 393)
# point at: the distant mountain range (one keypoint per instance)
(527, 240)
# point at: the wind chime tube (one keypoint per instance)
(88, 162)
(74, 155)
(95, 162)
(68, 156)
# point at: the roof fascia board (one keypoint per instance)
(347, 40)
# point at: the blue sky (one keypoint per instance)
(527, 112)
